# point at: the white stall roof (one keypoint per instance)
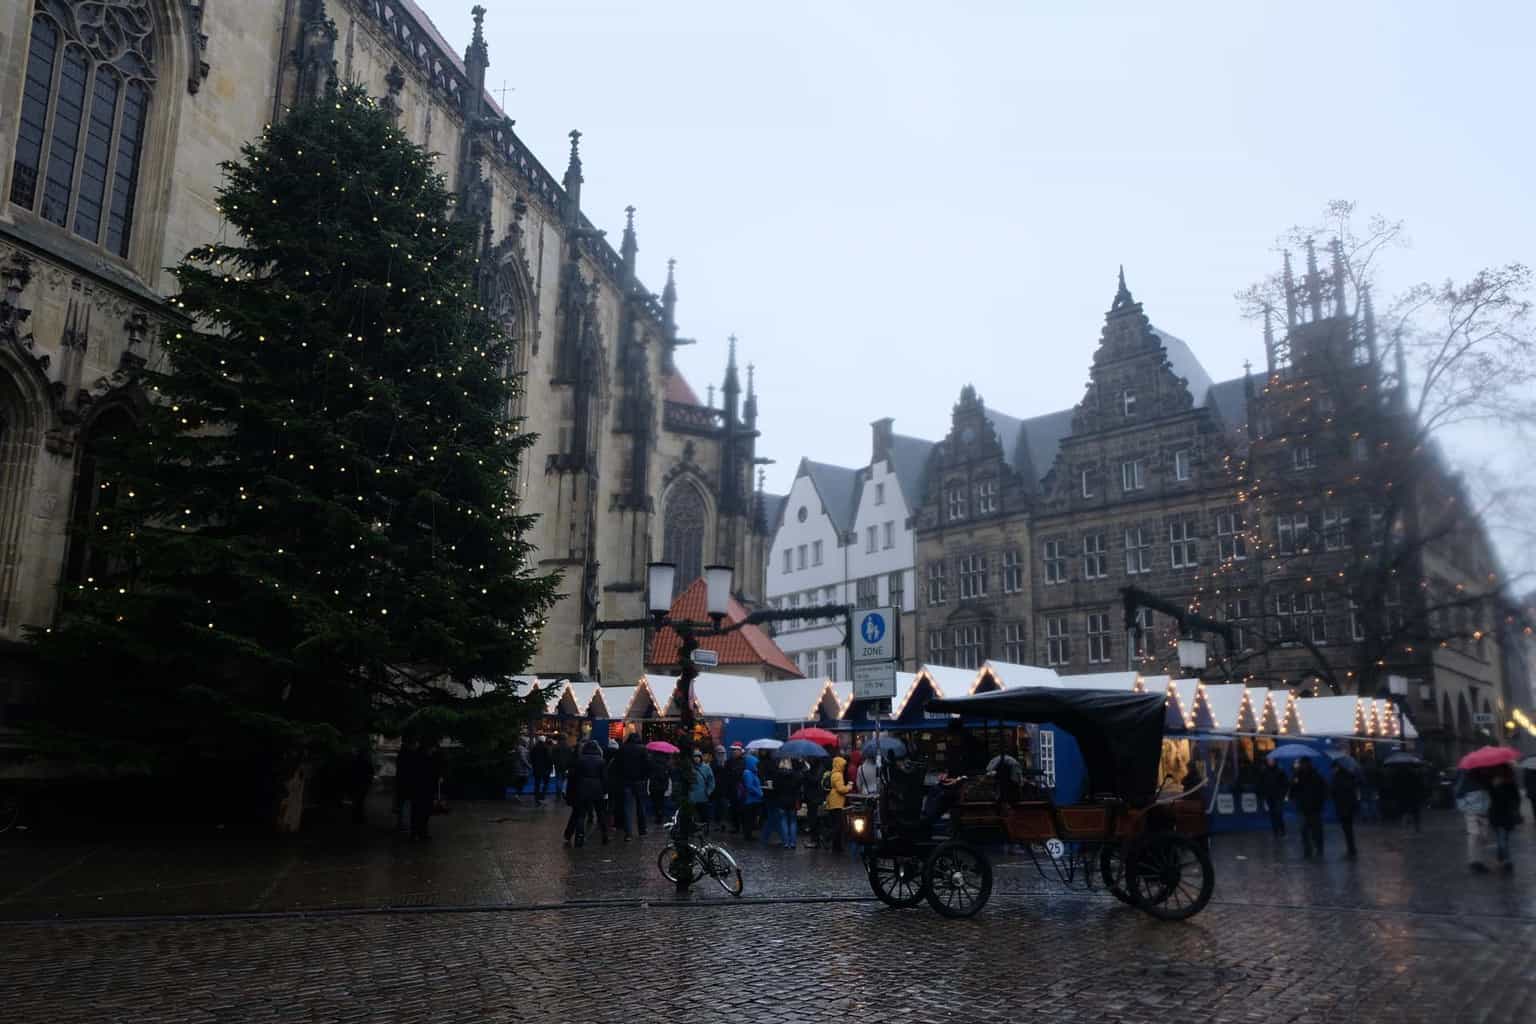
(798, 700)
(1219, 706)
(582, 694)
(717, 695)
(1123, 681)
(1277, 706)
(1004, 675)
(1252, 717)
(1328, 716)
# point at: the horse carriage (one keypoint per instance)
(1149, 852)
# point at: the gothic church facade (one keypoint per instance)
(116, 115)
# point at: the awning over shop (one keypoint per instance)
(716, 695)
(1220, 707)
(803, 700)
(998, 675)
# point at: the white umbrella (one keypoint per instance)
(765, 744)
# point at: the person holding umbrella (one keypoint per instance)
(1475, 799)
(1310, 794)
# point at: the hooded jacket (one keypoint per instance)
(751, 785)
(635, 760)
(837, 796)
(586, 781)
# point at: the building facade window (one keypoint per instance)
(1359, 448)
(936, 652)
(1356, 621)
(1138, 551)
(1045, 743)
(968, 647)
(1141, 636)
(1058, 641)
(937, 584)
(973, 577)
(1054, 561)
(812, 665)
(1013, 572)
(1090, 482)
(879, 494)
(789, 560)
(1014, 649)
(888, 539)
(1335, 529)
(682, 535)
(1128, 402)
(1098, 638)
(986, 497)
(1181, 464)
(871, 540)
(793, 601)
(82, 121)
(1301, 458)
(1231, 541)
(800, 557)
(1133, 475)
(1095, 557)
(867, 592)
(1183, 544)
(1239, 613)
(815, 552)
(957, 503)
(896, 584)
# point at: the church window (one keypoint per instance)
(89, 77)
(1128, 402)
(682, 535)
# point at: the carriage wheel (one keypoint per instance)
(1112, 870)
(898, 881)
(958, 879)
(1169, 876)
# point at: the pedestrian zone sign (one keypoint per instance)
(874, 635)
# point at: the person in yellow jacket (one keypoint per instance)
(837, 800)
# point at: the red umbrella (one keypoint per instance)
(661, 747)
(1489, 757)
(820, 737)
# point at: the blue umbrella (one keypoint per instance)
(1291, 751)
(801, 748)
(889, 745)
(1341, 760)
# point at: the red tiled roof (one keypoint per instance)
(748, 645)
(679, 391)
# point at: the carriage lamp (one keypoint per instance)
(717, 584)
(858, 824)
(659, 579)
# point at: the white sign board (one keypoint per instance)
(874, 635)
(705, 659)
(1482, 718)
(874, 682)
(1250, 803)
(1224, 803)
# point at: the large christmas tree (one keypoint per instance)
(314, 535)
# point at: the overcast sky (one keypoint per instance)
(887, 200)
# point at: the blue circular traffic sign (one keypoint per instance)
(872, 629)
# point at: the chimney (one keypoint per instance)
(881, 437)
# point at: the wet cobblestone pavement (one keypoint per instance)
(494, 920)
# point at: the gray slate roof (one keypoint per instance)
(773, 509)
(1184, 363)
(1230, 401)
(909, 461)
(838, 487)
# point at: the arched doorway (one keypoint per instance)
(682, 534)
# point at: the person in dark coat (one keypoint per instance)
(1310, 794)
(405, 769)
(1407, 782)
(725, 787)
(1345, 790)
(360, 781)
(635, 763)
(735, 768)
(426, 769)
(1503, 811)
(1273, 784)
(584, 792)
(661, 779)
(562, 756)
(542, 763)
(614, 809)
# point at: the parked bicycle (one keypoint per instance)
(688, 861)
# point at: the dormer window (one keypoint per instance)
(1128, 402)
(986, 497)
(956, 498)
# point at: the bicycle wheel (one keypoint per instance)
(722, 867)
(675, 867)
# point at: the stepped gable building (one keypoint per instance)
(1298, 506)
(117, 114)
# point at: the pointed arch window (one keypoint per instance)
(682, 536)
(89, 80)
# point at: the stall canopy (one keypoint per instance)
(1329, 716)
(1123, 682)
(1120, 735)
(716, 695)
(1219, 707)
(803, 700)
(1001, 675)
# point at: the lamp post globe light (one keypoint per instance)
(660, 577)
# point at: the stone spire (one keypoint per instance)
(730, 392)
(1123, 299)
(476, 59)
(316, 53)
(572, 180)
(669, 300)
(628, 247)
(1402, 373)
(1288, 281)
(1269, 337)
(1368, 314)
(1314, 283)
(749, 410)
(1340, 306)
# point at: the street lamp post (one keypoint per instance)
(661, 578)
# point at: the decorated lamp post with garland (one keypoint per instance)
(660, 580)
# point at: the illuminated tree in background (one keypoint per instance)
(312, 535)
(1356, 552)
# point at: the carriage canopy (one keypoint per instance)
(1119, 734)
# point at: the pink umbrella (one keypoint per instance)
(661, 747)
(1489, 757)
